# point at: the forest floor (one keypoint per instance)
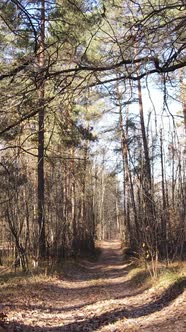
(102, 296)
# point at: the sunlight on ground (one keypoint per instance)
(104, 296)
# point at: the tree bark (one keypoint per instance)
(144, 138)
(41, 115)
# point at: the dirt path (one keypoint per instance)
(94, 297)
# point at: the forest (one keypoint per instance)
(92, 131)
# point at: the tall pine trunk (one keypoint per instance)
(41, 114)
(149, 234)
(126, 189)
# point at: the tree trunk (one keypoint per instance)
(144, 138)
(164, 217)
(41, 114)
(125, 177)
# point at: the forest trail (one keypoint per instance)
(94, 296)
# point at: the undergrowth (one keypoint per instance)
(46, 270)
(166, 276)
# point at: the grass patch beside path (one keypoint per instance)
(171, 274)
(175, 273)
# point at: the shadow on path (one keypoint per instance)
(92, 324)
(109, 267)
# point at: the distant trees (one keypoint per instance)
(152, 194)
